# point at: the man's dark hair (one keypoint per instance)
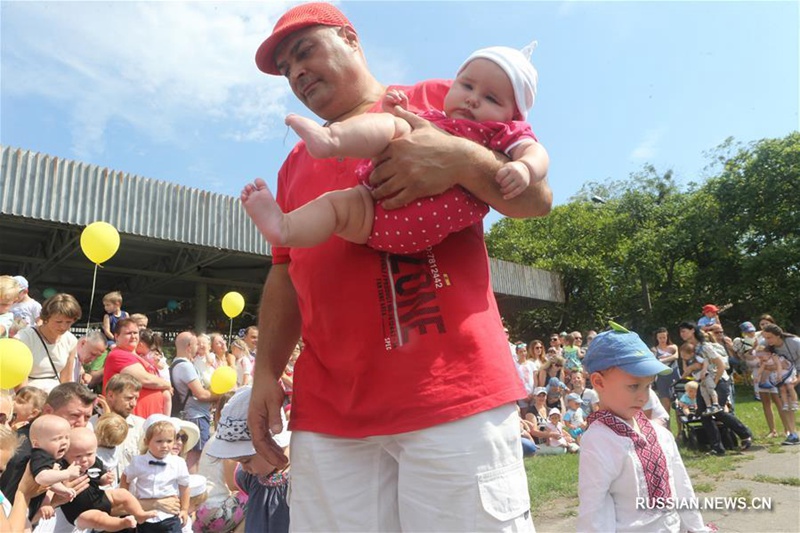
(64, 393)
(122, 382)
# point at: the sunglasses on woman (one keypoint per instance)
(183, 437)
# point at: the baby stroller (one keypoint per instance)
(690, 427)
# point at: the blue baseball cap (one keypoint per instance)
(747, 327)
(624, 349)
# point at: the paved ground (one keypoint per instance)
(759, 475)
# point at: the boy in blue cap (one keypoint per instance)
(631, 475)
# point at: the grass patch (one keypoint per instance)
(703, 486)
(711, 465)
(742, 493)
(551, 477)
(776, 448)
(791, 481)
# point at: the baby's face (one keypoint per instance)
(160, 444)
(23, 409)
(573, 405)
(55, 441)
(621, 393)
(555, 419)
(110, 307)
(83, 452)
(691, 393)
(481, 92)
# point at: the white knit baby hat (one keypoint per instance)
(517, 66)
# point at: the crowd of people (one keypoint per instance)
(559, 397)
(108, 433)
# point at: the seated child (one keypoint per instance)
(28, 404)
(555, 390)
(487, 103)
(267, 508)
(573, 418)
(95, 507)
(112, 304)
(49, 436)
(784, 378)
(554, 424)
(701, 371)
(111, 431)
(688, 400)
(158, 474)
(628, 466)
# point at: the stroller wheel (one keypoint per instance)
(693, 444)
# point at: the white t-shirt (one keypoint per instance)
(41, 375)
(155, 481)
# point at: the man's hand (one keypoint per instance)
(264, 418)
(102, 403)
(78, 484)
(415, 165)
(169, 504)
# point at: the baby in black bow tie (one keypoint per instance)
(95, 508)
(159, 474)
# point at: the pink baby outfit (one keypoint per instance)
(427, 221)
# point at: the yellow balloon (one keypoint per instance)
(223, 380)
(233, 304)
(16, 361)
(99, 241)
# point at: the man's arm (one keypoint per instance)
(428, 161)
(200, 393)
(279, 330)
(148, 380)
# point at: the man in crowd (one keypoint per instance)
(190, 396)
(397, 374)
(71, 401)
(251, 339)
(122, 393)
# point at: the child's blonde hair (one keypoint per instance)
(111, 430)
(32, 395)
(156, 428)
(9, 287)
(9, 441)
(114, 297)
(239, 343)
(692, 385)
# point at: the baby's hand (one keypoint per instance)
(513, 178)
(108, 478)
(392, 98)
(184, 516)
(47, 511)
(63, 491)
(74, 471)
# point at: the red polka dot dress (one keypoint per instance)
(428, 221)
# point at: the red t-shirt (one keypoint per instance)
(150, 400)
(392, 343)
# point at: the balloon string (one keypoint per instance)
(230, 333)
(91, 301)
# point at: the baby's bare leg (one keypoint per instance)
(94, 519)
(361, 136)
(347, 213)
(123, 502)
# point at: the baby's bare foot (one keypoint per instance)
(319, 142)
(264, 211)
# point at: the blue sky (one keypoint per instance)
(170, 91)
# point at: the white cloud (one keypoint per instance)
(648, 147)
(162, 68)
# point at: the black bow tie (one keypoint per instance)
(158, 463)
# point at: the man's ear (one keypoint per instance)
(47, 409)
(350, 37)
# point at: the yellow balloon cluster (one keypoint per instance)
(99, 242)
(16, 362)
(223, 380)
(233, 304)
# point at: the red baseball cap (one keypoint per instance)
(297, 18)
(710, 308)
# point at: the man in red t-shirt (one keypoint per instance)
(404, 410)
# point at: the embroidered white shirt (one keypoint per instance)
(611, 478)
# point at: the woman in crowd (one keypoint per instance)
(124, 359)
(552, 368)
(220, 350)
(787, 347)
(536, 354)
(527, 375)
(52, 344)
(769, 396)
(666, 352)
(538, 415)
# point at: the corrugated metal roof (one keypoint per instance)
(45, 187)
